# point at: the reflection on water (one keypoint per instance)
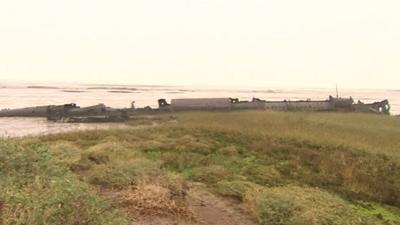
(19, 127)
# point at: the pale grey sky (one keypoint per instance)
(307, 43)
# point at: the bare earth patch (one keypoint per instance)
(213, 210)
(206, 209)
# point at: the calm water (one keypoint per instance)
(15, 95)
(18, 127)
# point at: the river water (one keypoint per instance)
(16, 95)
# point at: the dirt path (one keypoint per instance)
(208, 209)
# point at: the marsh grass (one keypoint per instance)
(293, 205)
(328, 166)
(35, 189)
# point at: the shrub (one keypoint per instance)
(182, 161)
(88, 160)
(357, 175)
(63, 201)
(65, 151)
(122, 174)
(230, 150)
(189, 143)
(210, 174)
(293, 205)
(97, 157)
(264, 175)
(155, 145)
(375, 214)
(35, 189)
(21, 165)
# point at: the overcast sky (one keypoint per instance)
(272, 43)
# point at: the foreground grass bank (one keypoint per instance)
(285, 168)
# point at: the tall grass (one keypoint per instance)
(35, 190)
(339, 162)
(373, 133)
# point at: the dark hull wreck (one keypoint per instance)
(101, 113)
(332, 104)
(71, 113)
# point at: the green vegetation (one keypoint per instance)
(299, 206)
(286, 168)
(34, 189)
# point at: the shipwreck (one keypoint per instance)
(331, 104)
(71, 113)
(101, 113)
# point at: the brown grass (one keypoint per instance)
(155, 200)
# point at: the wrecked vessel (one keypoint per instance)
(102, 113)
(71, 113)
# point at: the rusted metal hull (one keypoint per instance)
(223, 104)
(38, 111)
(102, 113)
(71, 113)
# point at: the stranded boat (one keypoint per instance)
(102, 113)
(332, 104)
(71, 113)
